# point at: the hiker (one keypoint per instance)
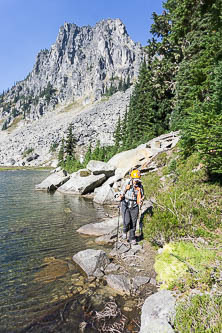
(131, 202)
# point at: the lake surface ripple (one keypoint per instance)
(36, 228)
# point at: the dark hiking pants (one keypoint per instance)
(130, 216)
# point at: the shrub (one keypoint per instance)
(27, 152)
(185, 206)
(53, 147)
(199, 314)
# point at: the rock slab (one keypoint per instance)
(100, 228)
(157, 312)
(82, 185)
(54, 181)
(99, 167)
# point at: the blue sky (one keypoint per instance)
(27, 26)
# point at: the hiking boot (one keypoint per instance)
(133, 242)
(124, 235)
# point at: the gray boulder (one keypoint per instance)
(120, 283)
(129, 159)
(105, 195)
(92, 262)
(10, 162)
(53, 181)
(99, 167)
(82, 185)
(32, 157)
(112, 268)
(100, 228)
(140, 281)
(119, 175)
(107, 239)
(157, 313)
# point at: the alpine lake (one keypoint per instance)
(41, 289)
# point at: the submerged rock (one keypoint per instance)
(120, 283)
(92, 262)
(53, 269)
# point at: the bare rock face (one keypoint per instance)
(83, 64)
(70, 83)
(99, 167)
(90, 123)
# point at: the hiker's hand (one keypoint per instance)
(141, 203)
(121, 197)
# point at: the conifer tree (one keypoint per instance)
(124, 130)
(203, 127)
(88, 155)
(61, 153)
(70, 143)
(118, 134)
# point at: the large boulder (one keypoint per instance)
(100, 228)
(131, 158)
(119, 175)
(164, 141)
(99, 167)
(105, 195)
(92, 262)
(53, 181)
(82, 185)
(142, 154)
(158, 312)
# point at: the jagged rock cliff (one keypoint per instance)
(70, 83)
(82, 65)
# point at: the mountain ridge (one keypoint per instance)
(82, 69)
(83, 63)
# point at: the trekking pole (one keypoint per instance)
(117, 241)
(139, 228)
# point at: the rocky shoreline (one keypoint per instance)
(124, 270)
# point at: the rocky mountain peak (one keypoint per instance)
(82, 65)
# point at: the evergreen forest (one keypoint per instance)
(179, 87)
(180, 82)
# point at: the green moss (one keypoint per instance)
(183, 266)
(168, 268)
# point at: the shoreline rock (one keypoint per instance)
(101, 228)
(158, 312)
(53, 181)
